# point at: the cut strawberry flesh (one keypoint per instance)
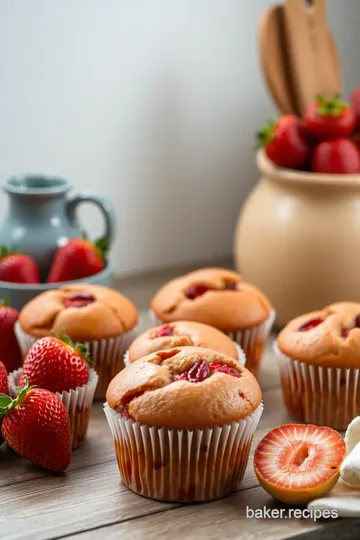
(309, 325)
(163, 331)
(196, 290)
(78, 300)
(299, 456)
(345, 333)
(224, 368)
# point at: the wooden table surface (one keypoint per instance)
(89, 501)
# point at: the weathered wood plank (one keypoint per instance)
(88, 495)
(225, 519)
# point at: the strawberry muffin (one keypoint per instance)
(58, 366)
(182, 334)
(183, 421)
(320, 365)
(100, 317)
(222, 299)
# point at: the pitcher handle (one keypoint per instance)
(103, 203)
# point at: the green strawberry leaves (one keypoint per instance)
(7, 403)
(266, 134)
(330, 106)
(102, 245)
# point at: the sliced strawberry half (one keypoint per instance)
(296, 463)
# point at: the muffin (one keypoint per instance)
(182, 334)
(183, 421)
(319, 357)
(100, 317)
(221, 299)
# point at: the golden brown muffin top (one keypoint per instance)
(185, 388)
(329, 337)
(212, 296)
(85, 312)
(181, 334)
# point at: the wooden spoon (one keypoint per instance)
(311, 56)
(275, 59)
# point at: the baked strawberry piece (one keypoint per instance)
(36, 426)
(296, 463)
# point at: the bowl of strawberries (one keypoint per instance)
(79, 260)
(297, 233)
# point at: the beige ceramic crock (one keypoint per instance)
(298, 238)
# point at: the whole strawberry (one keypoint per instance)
(56, 364)
(36, 426)
(336, 156)
(79, 258)
(284, 142)
(10, 350)
(329, 118)
(355, 103)
(4, 388)
(17, 267)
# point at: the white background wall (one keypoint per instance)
(153, 102)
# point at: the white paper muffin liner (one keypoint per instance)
(324, 396)
(182, 465)
(77, 403)
(107, 355)
(241, 355)
(251, 340)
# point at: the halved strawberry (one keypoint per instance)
(296, 463)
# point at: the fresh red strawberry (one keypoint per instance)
(36, 425)
(336, 156)
(329, 118)
(78, 259)
(355, 103)
(10, 350)
(296, 463)
(17, 267)
(355, 137)
(4, 388)
(56, 364)
(284, 142)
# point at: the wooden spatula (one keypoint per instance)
(275, 59)
(311, 57)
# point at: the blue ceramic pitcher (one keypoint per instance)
(41, 217)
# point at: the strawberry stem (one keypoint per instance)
(7, 403)
(330, 106)
(266, 134)
(80, 348)
(4, 302)
(102, 245)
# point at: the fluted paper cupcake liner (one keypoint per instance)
(77, 402)
(241, 355)
(326, 396)
(107, 355)
(251, 340)
(182, 465)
